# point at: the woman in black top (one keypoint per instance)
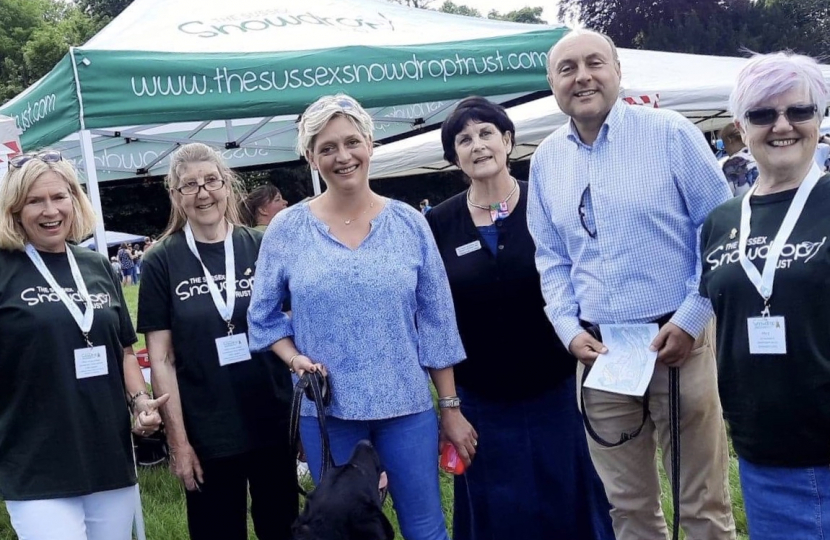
(68, 373)
(773, 305)
(227, 419)
(532, 477)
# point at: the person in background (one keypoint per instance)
(372, 308)
(530, 429)
(148, 243)
(772, 304)
(137, 256)
(739, 167)
(227, 419)
(261, 205)
(125, 257)
(116, 266)
(425, 207)
(616, 230)
(69, 379)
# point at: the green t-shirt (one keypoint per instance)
(228, 410)
(61, 436)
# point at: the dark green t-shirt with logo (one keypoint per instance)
(61, 436)
(777, 406)
(231, 409)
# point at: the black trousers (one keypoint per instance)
(219, 511)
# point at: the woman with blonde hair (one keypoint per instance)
(68, 373)
(227, 419)
(766, 259)
(371, 307)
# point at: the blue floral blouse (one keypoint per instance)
(377, 317)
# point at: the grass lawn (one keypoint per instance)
(166, 519)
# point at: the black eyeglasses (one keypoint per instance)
(583, 212)
(796, 114)
(192, 188)
(47, 156)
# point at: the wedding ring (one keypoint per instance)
(475, 443)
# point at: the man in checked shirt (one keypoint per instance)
(616, 200)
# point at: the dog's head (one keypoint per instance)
(347, 505)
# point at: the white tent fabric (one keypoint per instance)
(697, 86)
(115, 238)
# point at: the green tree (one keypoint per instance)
(104, 9)
(528, 15)
(459, 9)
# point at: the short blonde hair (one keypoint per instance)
(318, 114)
(194, 153)
(15, 188)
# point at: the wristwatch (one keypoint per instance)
(452, 402)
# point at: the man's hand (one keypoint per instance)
(673, 345)
(586, 348)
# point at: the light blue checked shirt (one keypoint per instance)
(653, 180)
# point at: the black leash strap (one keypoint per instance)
(674, 426)
(315, 386)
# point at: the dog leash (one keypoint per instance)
(674, 429)
(315, 386)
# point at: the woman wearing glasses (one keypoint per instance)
(371, 307)
(261, 205)
(227, 419)
(68, 374)
(765, 268)
(533, 463)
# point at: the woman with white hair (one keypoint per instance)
(227, 419)
(766, 263)
(371, 307)
(68, 373)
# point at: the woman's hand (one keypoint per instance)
(302, 363)
(457, 430)
(185, 465)
(146, 417)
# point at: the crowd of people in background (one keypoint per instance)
(495, 298)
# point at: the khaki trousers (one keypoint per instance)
(629, 472)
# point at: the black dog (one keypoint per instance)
(347, 505)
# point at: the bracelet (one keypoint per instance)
(449, 402)
(135, 397)
(291, 362)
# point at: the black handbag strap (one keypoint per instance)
(313, 383)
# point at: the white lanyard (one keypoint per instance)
(224, 307)
(83, 320)
(763, 282)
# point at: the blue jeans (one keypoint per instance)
(786, 503)
(408, 450)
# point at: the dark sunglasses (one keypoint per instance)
(48, 156)
(583, 211)
(796, 114)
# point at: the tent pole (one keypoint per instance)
(92, 189)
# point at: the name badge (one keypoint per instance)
(233, 349)
(767, 335)
(91, 362)
(468, 248)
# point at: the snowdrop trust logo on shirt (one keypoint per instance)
(759, 247)
(38, 295)
(197, 286)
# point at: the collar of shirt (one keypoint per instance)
(609, 129)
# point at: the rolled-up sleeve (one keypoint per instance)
(267, 323)
(439, 344)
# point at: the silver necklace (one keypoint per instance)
(350, 221)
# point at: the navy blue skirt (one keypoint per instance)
(532, 477)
